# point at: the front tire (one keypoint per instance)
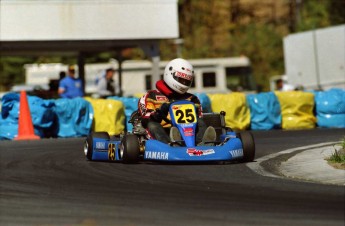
(88, 145)
(248, 144)
(130, 148)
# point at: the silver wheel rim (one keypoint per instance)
(86, 148)
(121, 151)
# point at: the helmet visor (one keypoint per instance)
(183, 78)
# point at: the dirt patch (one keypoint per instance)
(337, 165)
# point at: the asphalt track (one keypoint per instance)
(49, 182)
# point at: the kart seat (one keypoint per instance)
(217, 121)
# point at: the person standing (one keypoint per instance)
(106, 84)
(279, 84)
(71, 87)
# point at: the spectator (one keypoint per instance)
(279, 84)
(106, 85)
(71, 87)
(62, 75)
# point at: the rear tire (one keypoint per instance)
(130, 148)
(248, 144)
(88, 145)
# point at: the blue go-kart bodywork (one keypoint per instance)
(133, 147)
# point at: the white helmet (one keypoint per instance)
(179, 75)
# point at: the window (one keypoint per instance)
(239, 79)
(209, 79)
(148, 82)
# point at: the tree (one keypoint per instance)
(12, 71)
(205, 29)
(314, 15)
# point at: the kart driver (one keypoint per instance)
(153, 107)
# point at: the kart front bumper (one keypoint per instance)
(158, 151)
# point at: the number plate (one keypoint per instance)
(184, 113)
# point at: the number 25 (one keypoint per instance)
(182, 117)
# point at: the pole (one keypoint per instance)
(81, 68)
(317, 71)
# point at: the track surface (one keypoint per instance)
(49, 182)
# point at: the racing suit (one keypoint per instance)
(152, 115)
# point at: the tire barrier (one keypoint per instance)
(263, 111)
(74, 117)
(109, 115)
(330, 108)
(205, 102)
(234, 104)
(297, 109)
(131, 105)
(9, 116)
(42, 115)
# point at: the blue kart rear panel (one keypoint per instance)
(105, 150)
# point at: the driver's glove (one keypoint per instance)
(160, 113)
(164, 109)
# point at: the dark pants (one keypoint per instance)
(159, 133)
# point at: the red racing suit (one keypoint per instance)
(153, 100)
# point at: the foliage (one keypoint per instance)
(230, 28)
(339, 154)
(262, 44)
(337, 157)
(252, 28)
(342, 143)
(12, 71)
(337, 11)
(314, 15)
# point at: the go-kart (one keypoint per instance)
(135, 146)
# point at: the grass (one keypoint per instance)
(337, 159)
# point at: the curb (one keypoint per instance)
(303, 163)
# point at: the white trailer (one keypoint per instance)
(316, 59)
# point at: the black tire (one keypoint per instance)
(130, 148)
(248, 143)
(88, 146)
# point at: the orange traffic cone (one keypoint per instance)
(25, 126)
